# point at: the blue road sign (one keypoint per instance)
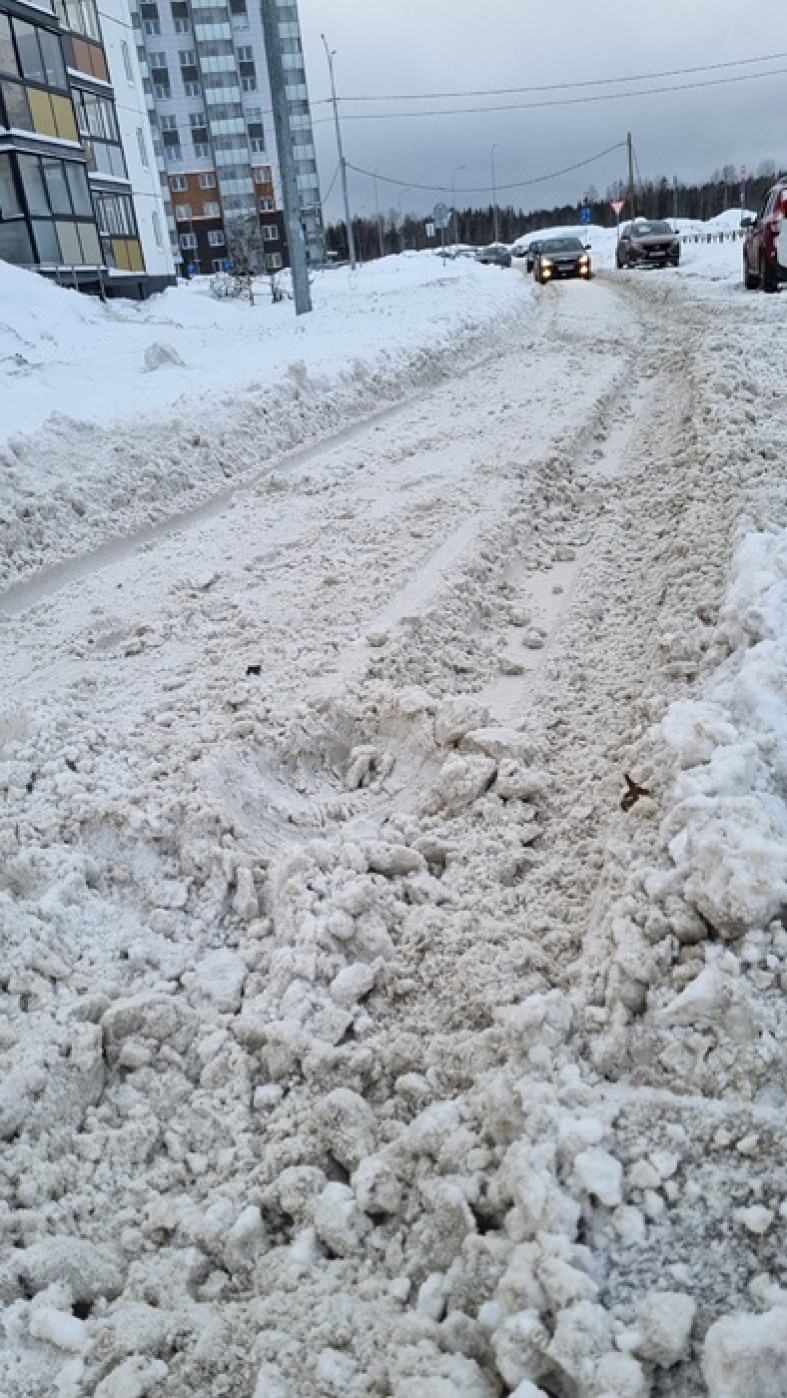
(584, 215)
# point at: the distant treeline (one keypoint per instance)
(657, 198)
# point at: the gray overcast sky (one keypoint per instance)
(436, 46)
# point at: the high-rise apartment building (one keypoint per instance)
(205, 72)
(80, 193)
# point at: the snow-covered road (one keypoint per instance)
(391, 1002)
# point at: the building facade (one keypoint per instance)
(205, 72)
(76, 199)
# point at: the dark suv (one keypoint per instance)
(765, 246)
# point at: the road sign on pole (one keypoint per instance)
(440, 215)
(585, 215)
(618, 206)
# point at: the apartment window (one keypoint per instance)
(188, 241)
(182, 26)
(162, 92)
(115, 213)
(80, 16)
(186, 58)
(182, 213)
(266, 204)
(143, 149)
(211, 209)
(158, 62)
(273, 261)
(248, 83)
(191, 87)
(256, 136)
(201, 150)
(207, 181)
(270, 233)
(216, 238)
(262, 175)
(196, 119)
(180, 17)
(168, 123)
(245, 53)
(95, 116)
(178, 184)
(151, 27)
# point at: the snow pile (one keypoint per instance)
(73, 365)
(730, 815)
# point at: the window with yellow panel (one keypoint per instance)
(120, 254)
(52, 115)
(128, 255)
(41, 109)
(64, 118)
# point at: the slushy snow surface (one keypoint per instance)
(393, 815)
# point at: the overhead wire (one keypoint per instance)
(486, 189)
(556, 102)
(563, 87)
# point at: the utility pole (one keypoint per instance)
(378, 216)
(454, 173)
(342, 161)
(629, 142)
(494, 197)
(284, 142)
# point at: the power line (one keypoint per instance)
(562, 87)
(560, 101)
(484, 189)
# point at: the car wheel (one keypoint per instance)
(768, 279)
(751, 279)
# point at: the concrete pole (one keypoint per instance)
(454, 173)
(629, 142)
(495, 219)
(342, 161)
(378, 216)
(284, 142)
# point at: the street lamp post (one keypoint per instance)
(494, 195)
(342, 162)
(453, 201)
(378, 217)
(406, 190)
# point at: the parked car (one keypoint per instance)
(561, 257)
(495, 255)
(530, 253)
(647, 242)
(765, 245)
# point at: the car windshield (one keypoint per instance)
(561, 245)
(650, 230)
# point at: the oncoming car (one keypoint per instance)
(647, 242)
(531, 251)
(495, 255)
(561, 257)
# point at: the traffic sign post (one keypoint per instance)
(618, 206)
(440, 218)
(585, 215)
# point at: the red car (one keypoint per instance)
(765, 245)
